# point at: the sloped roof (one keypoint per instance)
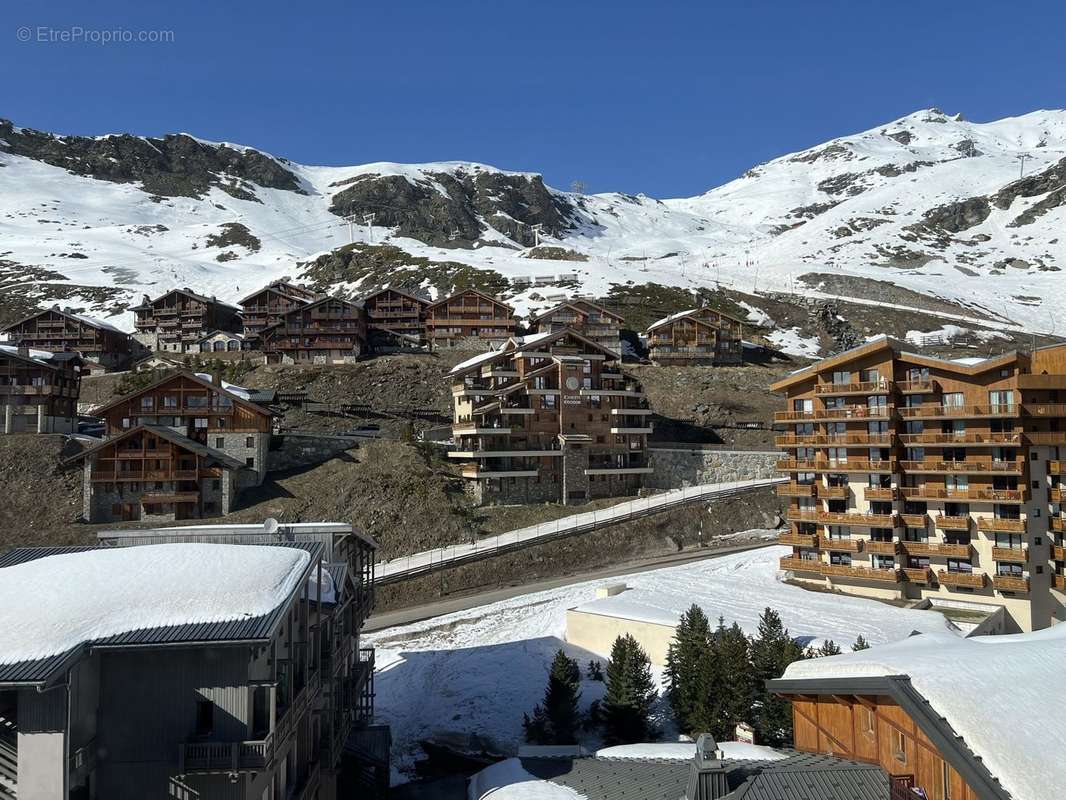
(90, 321)
(488, 297)
(43, 358)
(408, 295)
(170, 435)
(188, 293)
(689, 313)
(191, 376)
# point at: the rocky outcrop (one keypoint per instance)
(175, 165)
(957, 216)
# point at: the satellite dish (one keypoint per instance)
(270, 525)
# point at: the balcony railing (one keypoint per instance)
(883, 548)
(918, 574)
(944, 522)
(244, 756)
(969, 580)
(833, 492)
(961, 439)
(862, 387)
(1014, 467)
(1010, 583)
(917, 387)
(946, 549)
(1055, 495)
(797, 490)
(957, 412)
(851, 465)
(980, 495)
(1058, 524)
(1056, 467)
(855, 518)
(1010, 553)
(1045, 409)
(797, 539)
(840, 545)
(880, 493)
(794, 564)
(801, 515)
(997, 525)
(856, 412)
(914, 520)
(890, 575)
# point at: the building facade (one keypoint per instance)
(260, 707)
(549, 418)
(469, 317)
(915, 477)
(177, 320)
(697, 337)
(395, 319)
(56, 330)
(265, 307)
(38, 390)
(587, 318)
(327, 331)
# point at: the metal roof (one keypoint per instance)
(251, 629)
(800, 776)
(170, 435)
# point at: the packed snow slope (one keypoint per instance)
(930, 203)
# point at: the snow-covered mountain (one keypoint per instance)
(927, 211)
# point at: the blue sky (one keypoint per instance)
(667, 98)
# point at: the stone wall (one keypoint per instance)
(676, 468)
(293, 450)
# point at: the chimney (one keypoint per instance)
(707, 778)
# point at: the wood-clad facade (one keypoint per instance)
(56, 330)
(469, 315)
(549, 418)
(587, 318)
(267, 306)
(700, 336)
(327, 331)
(177, 320)
(38, 390)
(395, 319)
(915, 477)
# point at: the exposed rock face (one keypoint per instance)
(455, 208)
(234, 233)
(958, 216)
(171, 166)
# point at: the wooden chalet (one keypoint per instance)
(38, 390)
(699, 336)
(587, 318)
(56, 330)
(266, 306)
(327, 331)
(177, 320)
(395, 319)
(469, 315)
(549, 418)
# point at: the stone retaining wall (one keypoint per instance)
(292, 450)
(676, 468)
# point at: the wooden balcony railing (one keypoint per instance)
(1010, 553)
(957, 412)
(1045, 409)
(833, 492)
(938, 549)
(862, 387)
(944, 522)
(1010, 583)
(823, 465)
(892, 575)
(969, 580)
(835, 440)
(883, 548)
(797, 490)
(917, 387)
(793, 539)
(1055, 495)
(855, 412)
(1058, 524)
(1058, 553)
(918, 574)
(855, 518)
(840, 545)
(801, 515)
(997, 525)
(914, 520)
(246, 756)
(794, 564)
(1044, 437)
(980, 495)
(1014, 467)
(1056, 467)
(961, 439)
(1059, 582)
(880, 493)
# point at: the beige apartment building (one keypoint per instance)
(915, 477)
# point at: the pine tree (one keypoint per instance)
(734, 659)
(682, 663)
(772, 650)
(860, 644)
(827, 648)
(556, 719)
(630, 694)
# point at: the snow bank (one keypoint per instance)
(685, 751)
(52, 604)
(506, 780)
(1001, 694)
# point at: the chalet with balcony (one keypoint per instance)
(395, 319)
(918, 477)
(240, 674)
(697, 337)
(57, 330)
(265, 307)
(177, 320)
(469, 317)
(38, 390)
(587, 318)
(550, 417)
(327, 331)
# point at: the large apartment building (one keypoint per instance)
(182, 448)
(211, 663)
(174, 322)
(326, 331)
(917, 477)
(587, 318)
(697, 337)
(57, 330)
(549, 418)
(395, 319)
(469, 316)
(38, 390)
(266, 306)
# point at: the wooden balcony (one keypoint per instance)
(822, 465)
(1059, 582)
(995, 525)
(880, 493)
(1015, 467)
(917, 387)
(961, 439)
(793, 539)
(883, 548)
(1057, 524)
(224, 757)
(833, 492)
(855, 518)
(1056, 467)
(947, 523)
(856, 413)
(840, 545)
(1058, 552)
(835, 440)
(797, 490)
(1014, 496)
(968, 580)
(170, 497)
(918, 574)
(957, 412)
(945, 549)
(1010, 553)
(914, 520)
(1010, 583)
(794, 564)
(892, 575)
(1055, 495)
(1045, 409)
(862, 387)
(1045, 437)
(801, 515)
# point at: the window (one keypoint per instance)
(866, 721)
(249, 441)
(899, 746)
(945, 780)
(216, 484)
(249, 462)
(219, 442)
(205, 717)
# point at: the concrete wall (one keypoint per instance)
(42, 745)
(676, 468)
(597, 632)
(292, 450)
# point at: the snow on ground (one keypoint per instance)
(684, 751)
(477, 671)
(1001, 694)
(52, 604)
(791, 341)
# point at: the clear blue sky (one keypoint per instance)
(661, 97)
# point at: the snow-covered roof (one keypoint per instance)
(672, 317)
(53, 604)
(43, 357)
(1001, 694)
(96, 323)
(686, 751)
(508, 780)
(480, 358)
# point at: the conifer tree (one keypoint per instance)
(630, 694)
(860, 644)
(772, 650)
(827, 648)
(682, 665)
(556, 720)
(735, 669)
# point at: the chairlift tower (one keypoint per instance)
(368, 220)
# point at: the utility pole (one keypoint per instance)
(1021, 164)
(368, 220)
(350, 219)
(536, 233)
